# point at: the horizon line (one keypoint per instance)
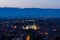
(29, 7)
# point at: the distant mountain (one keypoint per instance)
(29, 12)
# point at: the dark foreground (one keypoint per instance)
(30, 29)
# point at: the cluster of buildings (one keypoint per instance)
(31, 29)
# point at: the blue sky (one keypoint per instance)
(30, 3)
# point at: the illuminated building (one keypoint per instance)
(34, 27)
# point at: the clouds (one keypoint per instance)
(30, 3)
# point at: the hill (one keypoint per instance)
(29, 12)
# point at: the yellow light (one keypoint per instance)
(26, 27)
(28, 37)
(34, 27)
(30, 27)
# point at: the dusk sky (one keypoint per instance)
(30, 3)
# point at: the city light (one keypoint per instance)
(45, 29)
(28, 37)
(14, 27)
(30, 27)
